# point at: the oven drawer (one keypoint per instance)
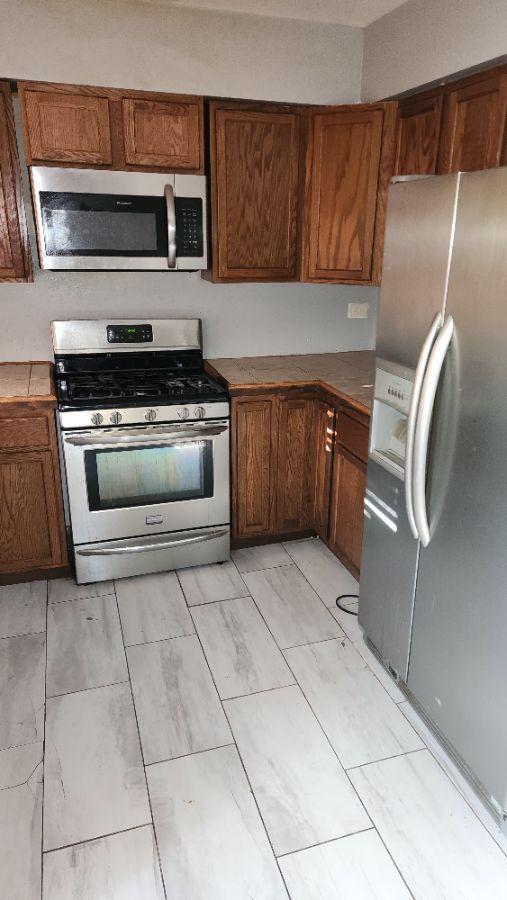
(139, 556)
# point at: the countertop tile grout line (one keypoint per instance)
(245, 771)
(140, 746)
(44, 752)
(350, 781)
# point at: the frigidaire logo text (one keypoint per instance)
(124, 203)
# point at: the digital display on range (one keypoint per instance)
(129, 334)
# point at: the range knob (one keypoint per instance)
(115, 418)
(183, 413)
(97, 418)
(200, 412)
(150, 415)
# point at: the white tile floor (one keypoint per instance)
(222, 733)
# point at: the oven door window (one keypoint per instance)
(103, 225)
(139, 476)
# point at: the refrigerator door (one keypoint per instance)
(417, 251)
(388, 569)
(458, 661)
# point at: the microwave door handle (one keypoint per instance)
(171, 226)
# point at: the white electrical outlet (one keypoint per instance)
(358, 310)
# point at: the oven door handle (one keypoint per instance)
(131, 439)
(171, 226)
(160, 545)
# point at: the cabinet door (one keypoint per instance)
(417, 135)
(253, 473)
(14, 252)
(347, 501)
(255, 163)
(30, 527)
(161, 133)
(322, 449)
(66, 127)
(473, 126)
(293, 465)
(344, 179)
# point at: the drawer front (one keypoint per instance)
(352, 435)
(24, 433)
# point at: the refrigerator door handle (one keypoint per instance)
(420, 372)
(423, 426)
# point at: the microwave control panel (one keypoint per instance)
(129, 334)
(189, 230)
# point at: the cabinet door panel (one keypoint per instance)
(160, 133)
(322, 448)
(473, 127)
(293, 465)
(14, 252)
(418, 132)
(254, 430)
(29, 523)
(343, 193)
(256, 161)
(347, 501)
(67, 127)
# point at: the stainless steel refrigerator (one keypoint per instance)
(433, 590)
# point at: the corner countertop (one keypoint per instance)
(346, 376)
(22, 382)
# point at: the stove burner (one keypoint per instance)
(161, 385)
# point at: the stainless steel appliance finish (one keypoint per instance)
(433, 604)
(145, 441)
(103, 219)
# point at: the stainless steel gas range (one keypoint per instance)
(144, 436)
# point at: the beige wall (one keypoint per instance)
(142, 45)
(425, 40)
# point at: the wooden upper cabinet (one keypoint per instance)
(255, 166)
(349, 166)
(417, 134)
(99, 127)
(71, 128)
(474, 121)
(14, 249)
(163, 134)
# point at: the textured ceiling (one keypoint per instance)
(342, 12)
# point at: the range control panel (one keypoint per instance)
(129, 334)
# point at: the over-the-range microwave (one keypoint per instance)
(98, 219)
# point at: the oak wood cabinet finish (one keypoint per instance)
(95, 127)
(322, 449)
(349, 164)
(32, 526)
(474, 123)
(346, 508)
(255, 155)
(254, 440)
(418, 133)
(294, 464)
(15, 262)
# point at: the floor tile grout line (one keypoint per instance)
(98, 837)
(374, 762)
(94, 687)
(155, 837)
(157, 762)
(7, 637)
(276, 687)
(172, 637)
(245, 771)
(343, 837)
(74, 599)
(213, 602)
(349, 779)
(44, 752)
(497, 840)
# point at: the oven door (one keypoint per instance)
(127, 482)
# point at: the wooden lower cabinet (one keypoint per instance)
(299, 467)
(346, 510)
(32, 528)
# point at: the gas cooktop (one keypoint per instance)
(135, 388)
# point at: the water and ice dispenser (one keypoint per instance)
(388, 437)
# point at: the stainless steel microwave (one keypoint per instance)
(98, 219)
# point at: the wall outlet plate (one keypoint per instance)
(358, 310)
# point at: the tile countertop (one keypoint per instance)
(347, 376)
(27, 382)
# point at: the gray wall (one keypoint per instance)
(147, 46)
(425, 40)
